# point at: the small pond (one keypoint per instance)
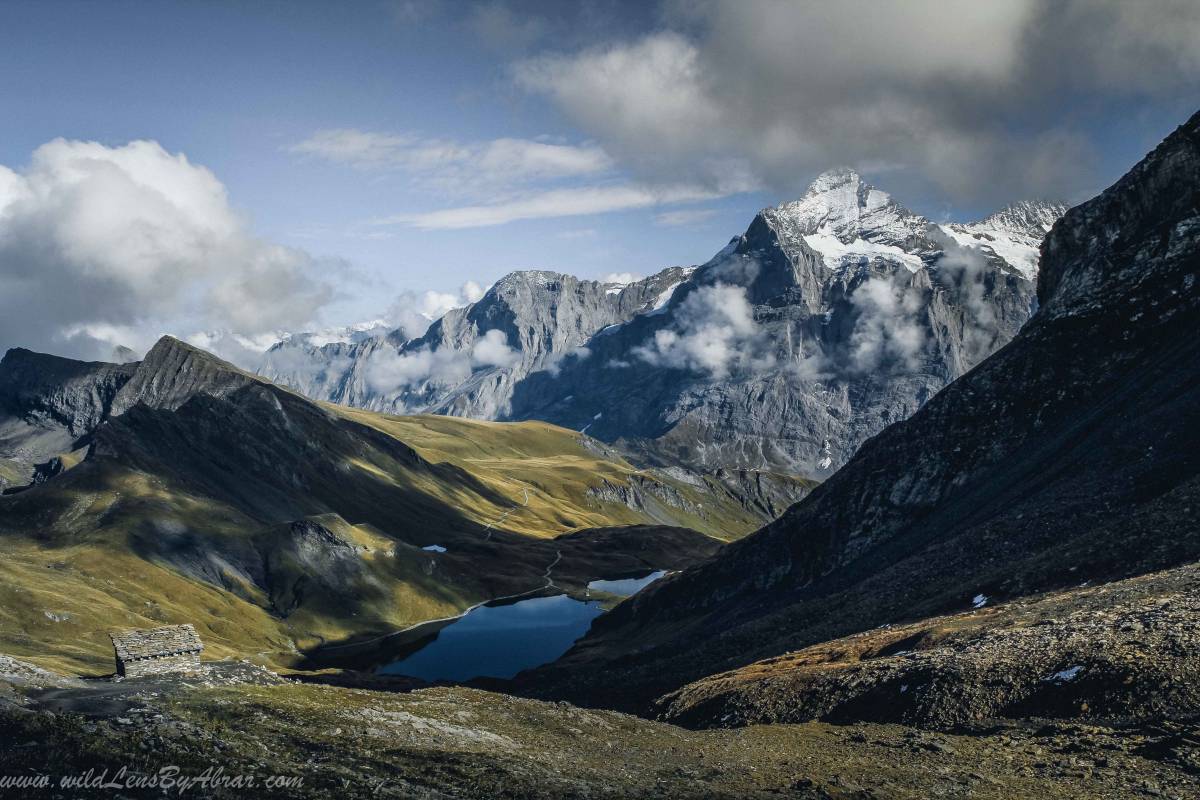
(626, 586)
(498, 641)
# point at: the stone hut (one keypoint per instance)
(153, 651)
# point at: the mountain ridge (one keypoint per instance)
(564, 350)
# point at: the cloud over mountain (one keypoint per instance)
(101, 246)
(968, 96)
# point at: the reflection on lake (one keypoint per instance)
(626, 586)
(500, 641)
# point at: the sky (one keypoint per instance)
(227, 171)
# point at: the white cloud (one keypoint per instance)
(413, 312)
(969, 96)
(646, 98)
(492, 350)
(715, 332)
(623, 278)
(888, 330)
(98, 242)
(966, 269)
(453, 166)
(472, 291)
(569, 202)
(682, 217)
(389, 370)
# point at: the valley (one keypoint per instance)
(914, 515)
(279, 526)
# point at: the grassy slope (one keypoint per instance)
(556, 467)
(106, 546)
(455, 742)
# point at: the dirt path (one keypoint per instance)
(492, 525)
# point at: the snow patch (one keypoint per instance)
(840, 253)
(1065, 675)
(664, 297)
(434, 548)
(979, 601)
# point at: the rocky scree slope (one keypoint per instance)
(1114, 650)
(1069, 455)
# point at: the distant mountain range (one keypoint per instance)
(828, 319)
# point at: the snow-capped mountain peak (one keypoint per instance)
(1028, 217)
(1013, 233)
(846, 219)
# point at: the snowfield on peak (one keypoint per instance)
(847, 221)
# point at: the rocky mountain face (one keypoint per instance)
(49, 406)
(830, 318)
(1068, 457)
(468, 361)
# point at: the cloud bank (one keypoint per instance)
(103, 246)
(970, 96)
(414, 312)
(715, 333)
(888, 332)
(388, 371)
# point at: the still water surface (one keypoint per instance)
(498, 641)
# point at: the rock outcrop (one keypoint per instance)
(49, 406)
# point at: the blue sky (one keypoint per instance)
(344, 132)
(234, 86)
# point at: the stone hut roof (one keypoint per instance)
(156, 642)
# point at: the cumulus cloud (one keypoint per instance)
(389, 370)
(714, 333)
(492, 350)
(104, 246)
(414, 312)
(888, 331)
(969, 96)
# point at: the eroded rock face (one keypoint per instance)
(173, 372)
(459, 366)
(48, 405)
(828, 319)
(1068, 455)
